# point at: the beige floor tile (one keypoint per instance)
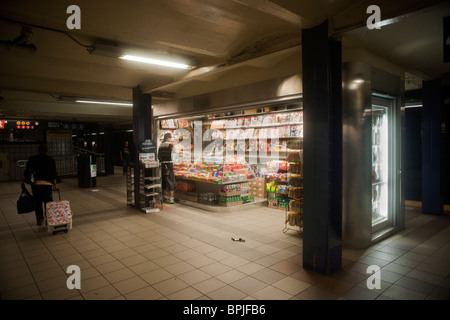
(249, 285)
(93, 284)
(107, 292)
(215, 268)
(123, 253)
(271, 293)
(286, 267)
(194, 276)
(156, 276)
(130, 284)
(183, 253)
(291, 285)
(166, 260)
(88, 273)
(99, 260)
(49, 273)
(425, 276)
(21, 293)
(185, 294)
(18, 281)
(315, 293)
(144, 267)
(155, 254)
(187, 254)
(133, 260)
(179, 268)
(146, 293)
(169, 286)
(235, 261)
(268, 276)
(110, 266)
(62, 294)
(231, 276)
(209, 285)
(227, 292)
(200, 261)
(44, 266)
(119, 275)
(401, 293)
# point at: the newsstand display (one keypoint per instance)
(231, 159)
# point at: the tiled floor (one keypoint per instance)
(185, 253)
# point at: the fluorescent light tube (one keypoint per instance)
(156, 62)
(106, 102)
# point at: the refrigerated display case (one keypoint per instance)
(385, 164)
(373, 202)
(380, 164)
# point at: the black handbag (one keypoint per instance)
(31, 177)
(25, 203)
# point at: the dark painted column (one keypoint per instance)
(322, 155)
(433, 101)
(108, 143)
(142, 129)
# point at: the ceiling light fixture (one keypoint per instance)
(124, 103)
(158, 62)
(143, 56)
(113, 103)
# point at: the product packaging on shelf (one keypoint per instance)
(234, 169)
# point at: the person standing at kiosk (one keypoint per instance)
(168, 176)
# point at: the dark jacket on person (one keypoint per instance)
(43, 166)
(165, 151)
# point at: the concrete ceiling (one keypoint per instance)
(232, 42)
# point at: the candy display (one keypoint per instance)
(254, 137)
(233, 169)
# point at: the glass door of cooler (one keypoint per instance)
(383, 163)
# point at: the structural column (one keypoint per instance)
(433, 101)
(109, 150)
(322, 105)
(142, 130)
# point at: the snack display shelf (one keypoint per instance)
(219, 182)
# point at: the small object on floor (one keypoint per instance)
(239, 240)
